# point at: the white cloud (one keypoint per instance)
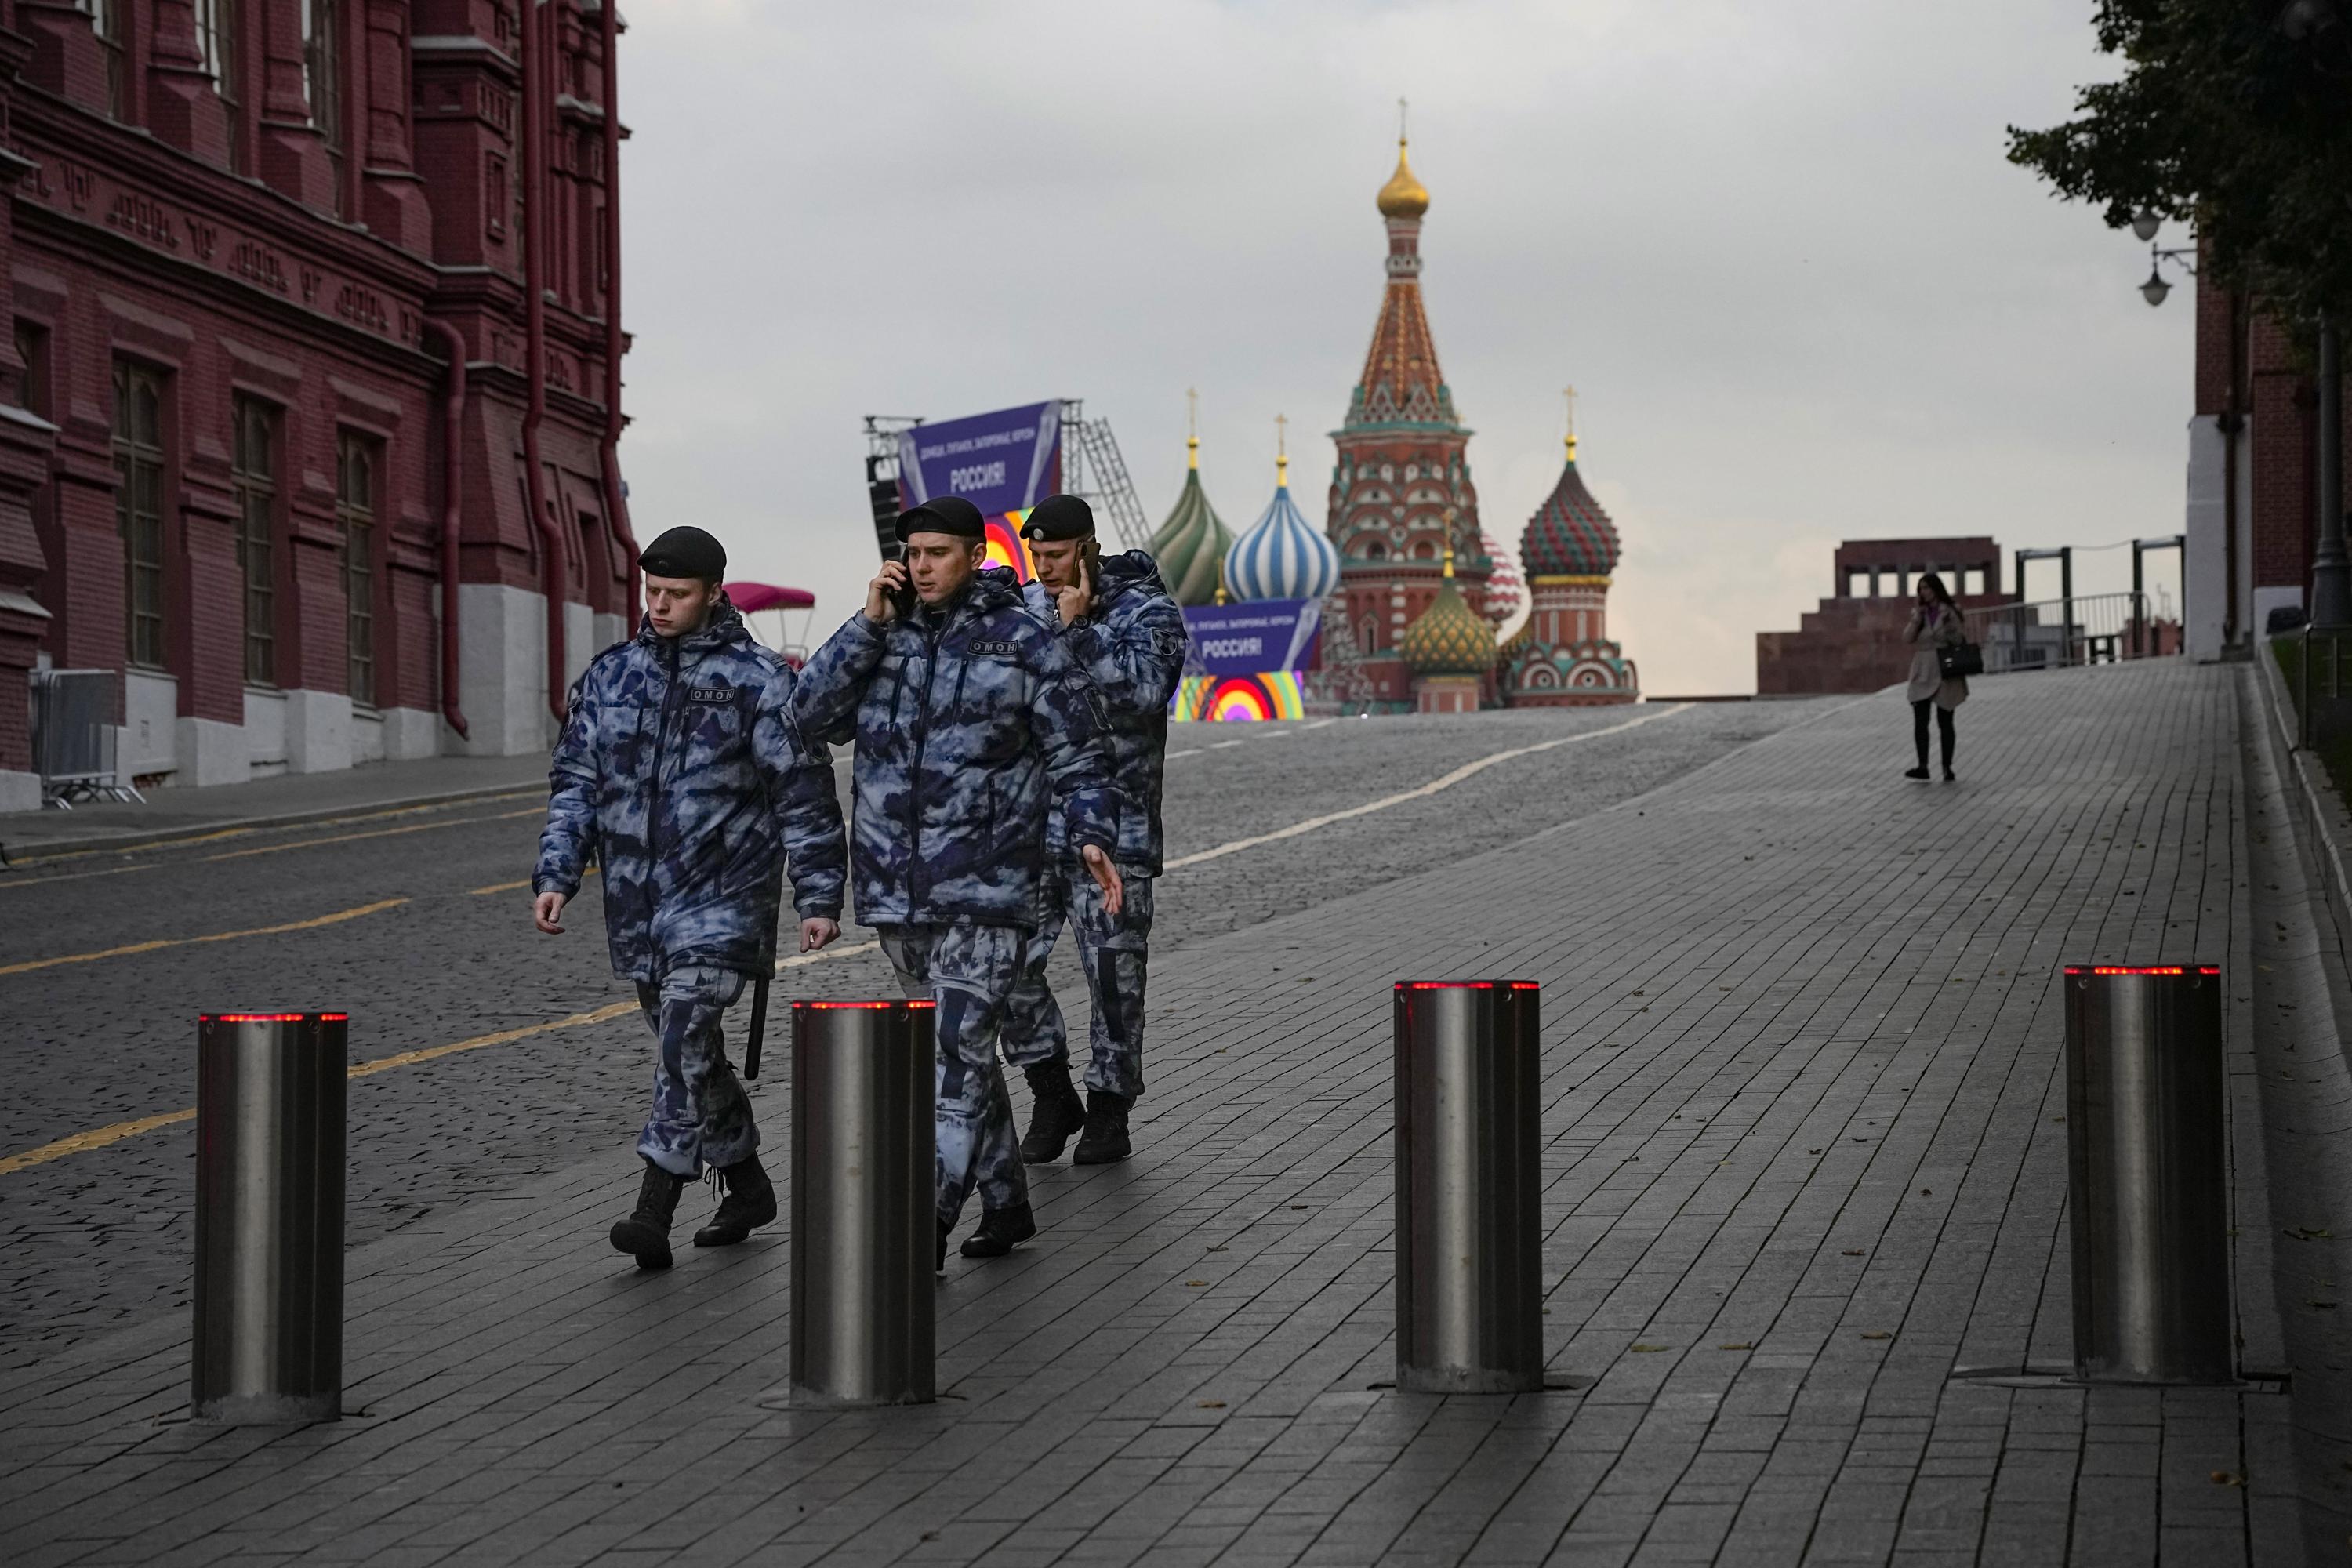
(1776, 246)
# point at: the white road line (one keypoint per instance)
(1223, 745)
(1424, 792)
(1321, 723)
(1187, 751)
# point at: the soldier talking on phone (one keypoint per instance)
(1124, 630)
(970, 717)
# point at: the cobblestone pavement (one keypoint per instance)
(102, 1237)
(1804, 1161)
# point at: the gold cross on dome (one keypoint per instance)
(1570, 393)
(1191, 412)
(1281, 432)
(1401, 108)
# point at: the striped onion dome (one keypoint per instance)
(1570, 535)
(1193, 540)
(1506, 590)
(1282, 556)
(1449, 637)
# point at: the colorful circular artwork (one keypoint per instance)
(1006, 545)
(1240, 698)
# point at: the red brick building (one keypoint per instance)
(1853, 640)
(2253, 473)
(316, 342)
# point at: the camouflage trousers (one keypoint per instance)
(1113, 954)
(700, 1116)
(968, 970)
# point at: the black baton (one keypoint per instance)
(758, 1025)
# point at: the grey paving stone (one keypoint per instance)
(1785, 992)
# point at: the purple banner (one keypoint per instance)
(1264, 636)
(1005, 461)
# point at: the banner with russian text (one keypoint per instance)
(1004, 463)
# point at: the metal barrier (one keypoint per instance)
(74, 737)
(2057, 633)
(864, 1222)
(1469, 1243)
(268, 1345)
(2148, 1158)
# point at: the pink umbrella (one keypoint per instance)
(751, 596)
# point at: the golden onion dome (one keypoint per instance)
(1449, 637)
(1403, 196)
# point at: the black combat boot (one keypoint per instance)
(1056, 1114)
(646, 1233)
(750, 1203)
(999, 1229)
(1105, 1139)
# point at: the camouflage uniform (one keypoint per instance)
(967, 719)
(1131, 642)
(683, 769)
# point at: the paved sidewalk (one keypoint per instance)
(1805, 1159)
(174, 814)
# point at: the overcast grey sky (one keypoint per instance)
(1774, 244)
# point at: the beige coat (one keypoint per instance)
(1947, 630)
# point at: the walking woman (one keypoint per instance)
(1936, 623)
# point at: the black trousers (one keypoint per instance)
(1943, 730)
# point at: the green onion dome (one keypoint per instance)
(1194, 540)
(1449, 637)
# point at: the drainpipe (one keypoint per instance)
(616, 501)
(2234, 420)
(453, 472)
(537, 35)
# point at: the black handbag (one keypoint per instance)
(1959, 659)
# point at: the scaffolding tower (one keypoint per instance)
(1092, 470)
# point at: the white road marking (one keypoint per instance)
(1422, 792)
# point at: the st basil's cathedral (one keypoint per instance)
(1413, 626)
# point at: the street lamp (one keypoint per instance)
(2156, 289)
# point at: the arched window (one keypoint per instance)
(356, 466)
(1375, 551)
(253, 471)
(1425, 549)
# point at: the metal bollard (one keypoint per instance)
(1469, 1241)
(2149, 1179)
(863, 1224)
(269, 1218)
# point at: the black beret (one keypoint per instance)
(685, 553)
(1060, 517)
(943, 514)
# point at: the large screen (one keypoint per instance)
(1004, 463)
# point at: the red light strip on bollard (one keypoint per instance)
(271, 1018)
(1468, 985)
(861, 1006)
(2142, 969)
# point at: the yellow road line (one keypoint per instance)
(96, 1138)
(379, 833)
(69, 876)
(511, 887)
(336, 919)
(433, 1053)
(159, 846)
(99, 1137)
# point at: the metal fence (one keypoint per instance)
(2055, 633)
(74, 737)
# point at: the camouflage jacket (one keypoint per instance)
(682, 767)
(1131, 644)
(966, 720)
